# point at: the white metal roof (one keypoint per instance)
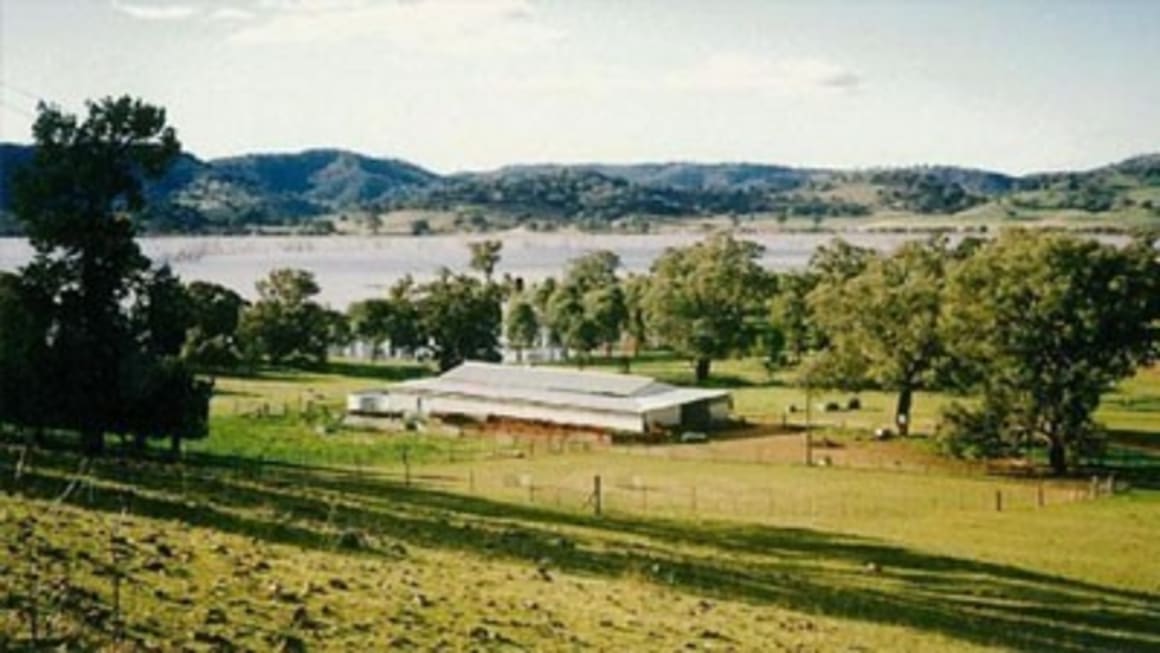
(560, 388)
(549, 378)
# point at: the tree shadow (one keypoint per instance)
(806, 570)
(391, 372)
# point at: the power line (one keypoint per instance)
(16, 109)
(19, 91)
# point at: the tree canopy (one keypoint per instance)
(1050, 322)
(108, 326)
(461, 318)
(882, 324)
(286, 325)
(705, 300)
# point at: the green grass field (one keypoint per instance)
(281, 532)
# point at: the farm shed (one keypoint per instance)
(585, 400)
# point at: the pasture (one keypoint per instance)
(284, 532)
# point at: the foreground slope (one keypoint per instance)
(224, 554)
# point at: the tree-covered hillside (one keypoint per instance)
(313, 189)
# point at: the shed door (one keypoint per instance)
(696, 415)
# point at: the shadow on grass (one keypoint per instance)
(1148, 442)
(391, 371)
(806, 570)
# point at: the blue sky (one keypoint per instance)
(469, 84)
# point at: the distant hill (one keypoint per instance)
(236, 192)
(682, 175)
(326, 177)
(309, 188)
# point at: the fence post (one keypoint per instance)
(1094, 490)
(1111, 483)
(1039, 494)
(597, 495)
(998, 500)
(406, 467)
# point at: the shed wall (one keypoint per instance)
(482, 409)
(668, 417)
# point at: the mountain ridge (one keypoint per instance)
(269, 188)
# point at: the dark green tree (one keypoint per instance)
(212, 340)
(790, 317)
(1051, 321)
(635, 327)
(164, 312)
(370, 321)
(522, 325)
(404, 326)
(706, 300)
(588, 308)
(569, 320)
(286, 325)
(24, 355)
(883, 323)
(461, 317)
(77, 200)
(839, 260)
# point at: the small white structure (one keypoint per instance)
(599, 401)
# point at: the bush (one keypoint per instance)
(972, 432)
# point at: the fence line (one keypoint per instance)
(622, 493)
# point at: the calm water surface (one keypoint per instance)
(350, 268)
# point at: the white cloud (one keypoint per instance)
(227, 14)
(736, 72)
(449, 26)
(155, 11)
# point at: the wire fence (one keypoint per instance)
(849, 496)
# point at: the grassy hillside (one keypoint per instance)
(281, 533)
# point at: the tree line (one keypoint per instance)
(1035, 325)
(95, 339)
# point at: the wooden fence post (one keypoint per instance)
(998, 500)
(597, 496)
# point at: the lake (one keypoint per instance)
(350, 268)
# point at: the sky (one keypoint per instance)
(451, 85)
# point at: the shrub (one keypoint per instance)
(972, 432)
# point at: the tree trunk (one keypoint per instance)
(902, 412)
(175, 447)
(701, 370)
(1057, 456)
(93, 443)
